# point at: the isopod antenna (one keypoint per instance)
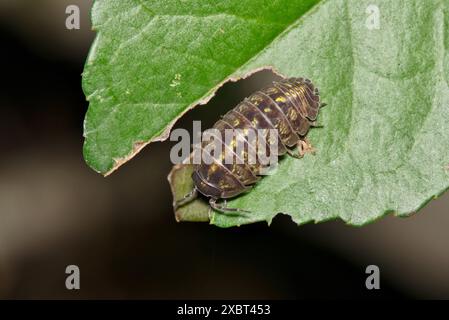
(223, 208)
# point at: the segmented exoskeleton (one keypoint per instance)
(289, 106)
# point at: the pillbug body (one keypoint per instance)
(289, 106)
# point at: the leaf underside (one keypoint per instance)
(384, 145)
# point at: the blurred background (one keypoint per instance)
(120, 230)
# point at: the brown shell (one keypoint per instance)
(289, 106)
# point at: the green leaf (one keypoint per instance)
(384, 147)
(154, 60)
(181, 183)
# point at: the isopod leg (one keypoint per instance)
(294, 153)
(224, 209)
(314, 124)
(302, 148)
(187, 198)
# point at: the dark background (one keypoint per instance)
(121, 232)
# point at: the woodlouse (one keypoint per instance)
(289, 106)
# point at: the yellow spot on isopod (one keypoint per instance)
(280, 99)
